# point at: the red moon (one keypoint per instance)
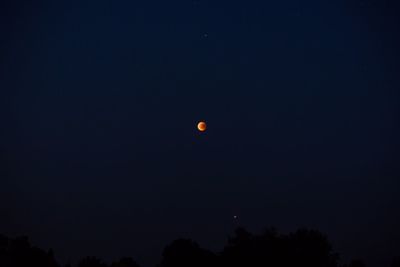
(202, 126)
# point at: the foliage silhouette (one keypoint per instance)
(396, 262)
(302, 248)
(185, 252)
(18, 252)
(125, 262)
(270, 249)
(91, 262)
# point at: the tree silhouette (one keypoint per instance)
(311, 248)
(18, 252)
(91, 262)
(185, 253)
(308, 248)
(396, 262)
(302, 248)
(125, 262)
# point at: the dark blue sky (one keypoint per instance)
(99, 102)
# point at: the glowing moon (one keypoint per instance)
(202, 126)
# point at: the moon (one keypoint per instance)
(202, 126)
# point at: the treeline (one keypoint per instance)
(270, 249)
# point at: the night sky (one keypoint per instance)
(99, 103)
